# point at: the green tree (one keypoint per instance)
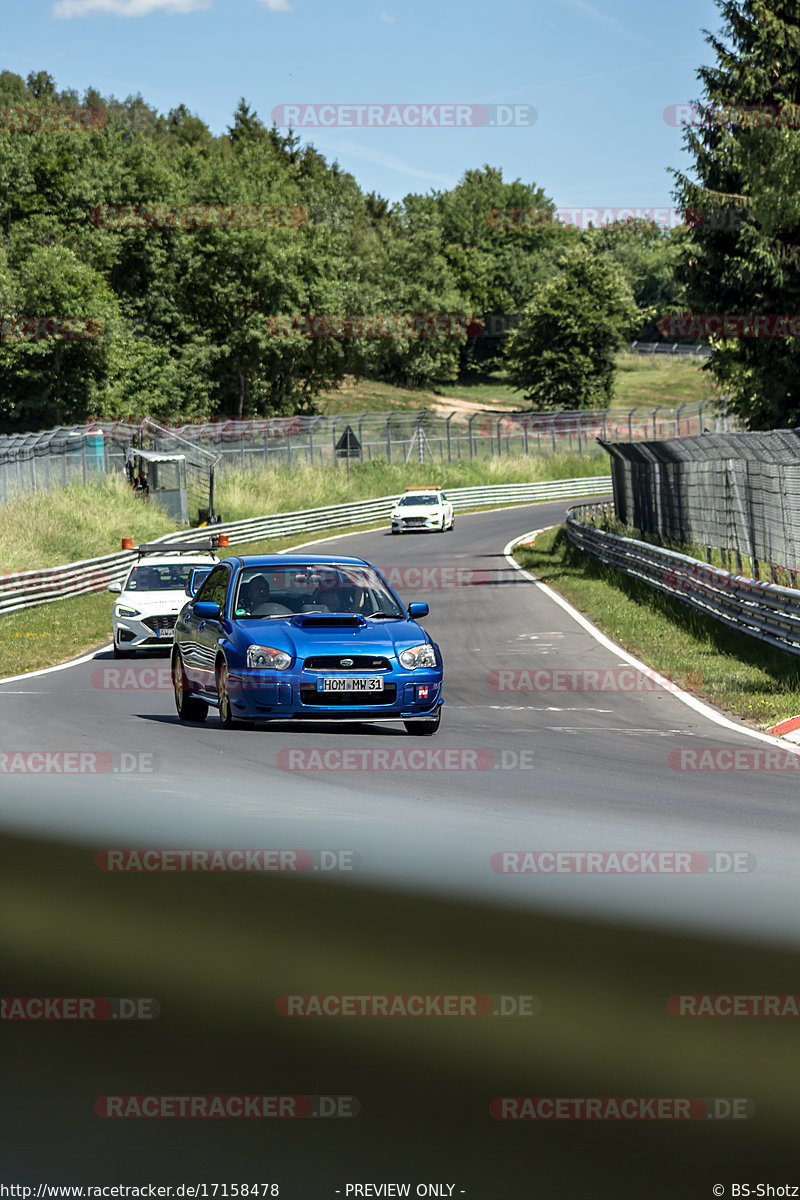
(563, 353)
(745, 203)
(649, 257)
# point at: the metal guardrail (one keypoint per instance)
(765, 611)
(25, 589)
(672, 349)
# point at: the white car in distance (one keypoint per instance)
(422, 509)
(164, 578)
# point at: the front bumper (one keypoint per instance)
(144, 633)
(270, 695)
(418, 524)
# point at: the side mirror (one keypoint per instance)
(114, 587)
(197, 577)
(206, 610)
(417, 609)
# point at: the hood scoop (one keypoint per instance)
(325, 621)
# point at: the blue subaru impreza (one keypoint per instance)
(276, 638)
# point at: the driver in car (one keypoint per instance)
(255, 594)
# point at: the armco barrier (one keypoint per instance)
(25, 589)
(763, 610)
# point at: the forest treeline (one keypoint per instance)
(163, 254)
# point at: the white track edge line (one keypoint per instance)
(686, 698)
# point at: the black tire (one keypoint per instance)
(226, 718)
(187, 707)
(424, 728)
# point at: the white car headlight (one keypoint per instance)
(268, 656)
(418, 656)
(127, 612)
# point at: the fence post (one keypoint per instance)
(469, 428)
(333, 441)
(389, 440)
(449, 448)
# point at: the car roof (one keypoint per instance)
(169, 560)
(294, 560)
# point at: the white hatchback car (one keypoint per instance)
(422, 509)
(155, 590)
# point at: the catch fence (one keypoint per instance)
(80, 453)
(734, 493)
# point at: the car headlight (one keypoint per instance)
(418, 656)
(268, 656)
(127, 612)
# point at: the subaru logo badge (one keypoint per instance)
(345, 662)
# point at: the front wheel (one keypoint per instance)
(423, 728)
(122, 653)
(188, 708)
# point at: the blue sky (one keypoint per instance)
(598, 74)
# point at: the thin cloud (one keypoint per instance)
(277, 5)
(389, 20)
(595, 14)
(125, 8)
(380, 158)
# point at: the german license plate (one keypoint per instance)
(164, 633)
(350, 683)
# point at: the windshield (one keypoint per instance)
(426, 499)
(168, 577)
(285, 592)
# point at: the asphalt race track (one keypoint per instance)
(404, 893)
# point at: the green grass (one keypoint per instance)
(244, 493)
(645, 383)
(734, 672)
(640, 382)
(46, 529)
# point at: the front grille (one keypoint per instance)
(358, 662)
(165, 621)
(309, 695)
(415, 520)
